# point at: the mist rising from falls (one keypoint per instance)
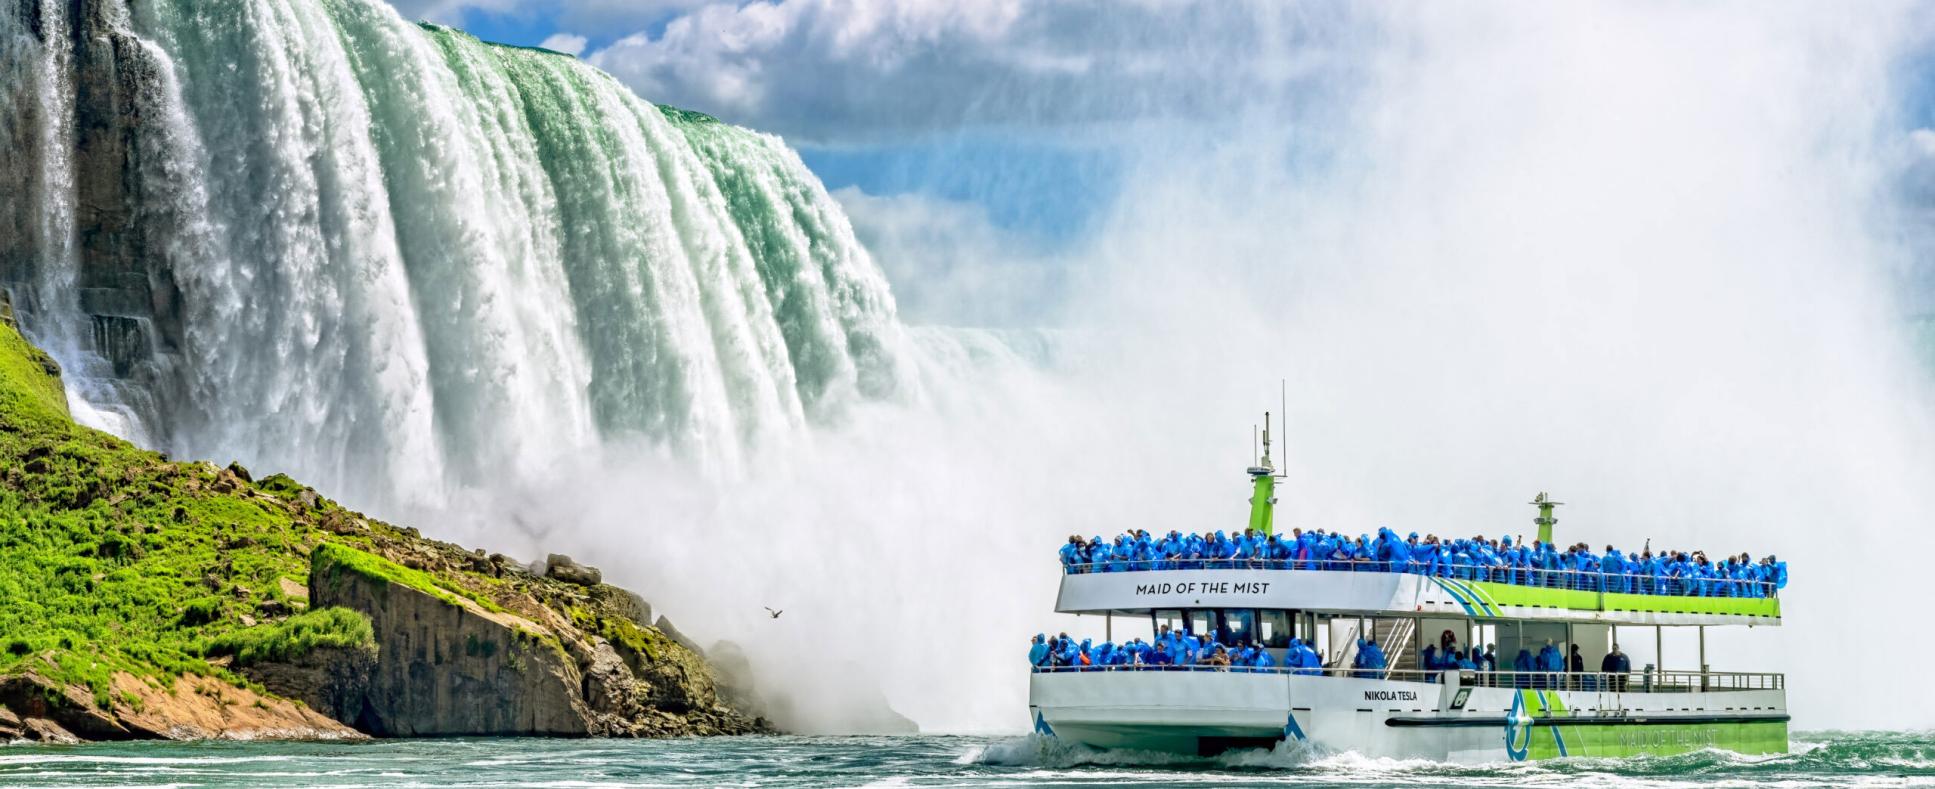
(400, 261)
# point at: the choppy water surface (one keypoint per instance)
(1823, 759)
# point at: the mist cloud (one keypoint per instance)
(1643, 257)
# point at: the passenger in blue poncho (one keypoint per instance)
(1293, 656)
(1038, 653)
(1550, 661)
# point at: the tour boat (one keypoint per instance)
(1400, 710)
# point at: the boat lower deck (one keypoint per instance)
(1449, 716)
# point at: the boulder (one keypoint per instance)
(560, 567)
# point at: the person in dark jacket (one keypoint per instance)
(1618, 665)
(1577, 664)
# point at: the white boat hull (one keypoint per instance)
(1200, 712)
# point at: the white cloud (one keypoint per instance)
(564, 42)
(844, 70)
(620, 17)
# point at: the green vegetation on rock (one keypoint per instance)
(331, 558)
(116, 559)
(291, 639)
(111, 557)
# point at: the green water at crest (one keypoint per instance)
(1819, 759)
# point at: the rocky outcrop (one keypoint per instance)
(32, 706)
(535, 656)
(445, 664)
(334, 682)
(561, 567)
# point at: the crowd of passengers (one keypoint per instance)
(1474, 559)
(1171, 649)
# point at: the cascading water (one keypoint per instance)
(395, 259)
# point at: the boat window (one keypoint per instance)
(1202, 621)
(1239, 625)
(1273, 629)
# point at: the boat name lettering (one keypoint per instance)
(1390, 695)
(1642, 737)
(1207, 587)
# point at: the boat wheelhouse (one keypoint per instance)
(1404, 708)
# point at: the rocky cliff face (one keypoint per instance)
(446, 665)
(101, 84)
(483, 647)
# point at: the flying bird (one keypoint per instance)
(774, 613)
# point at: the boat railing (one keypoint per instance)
(1616, 682)
(1576, 580)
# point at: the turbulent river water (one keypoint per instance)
(1818, 759)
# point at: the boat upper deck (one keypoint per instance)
(1377, 589)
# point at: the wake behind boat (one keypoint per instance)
(1242, 628)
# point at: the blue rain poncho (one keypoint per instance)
(1374, 655)
(1038, 654)
(1551, 659)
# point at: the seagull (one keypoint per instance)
(774, 613)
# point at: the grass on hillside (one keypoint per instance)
(330, 557)
(114, 559)
(290, 639)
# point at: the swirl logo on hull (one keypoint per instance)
(1518, 729)
(1041, 725)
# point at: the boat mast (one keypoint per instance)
(1545, 519)
(1263, 480)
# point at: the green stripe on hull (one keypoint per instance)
(1760, 737)
(1534, 596)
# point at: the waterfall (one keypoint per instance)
(394, 259)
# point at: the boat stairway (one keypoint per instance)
(1395, 635)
